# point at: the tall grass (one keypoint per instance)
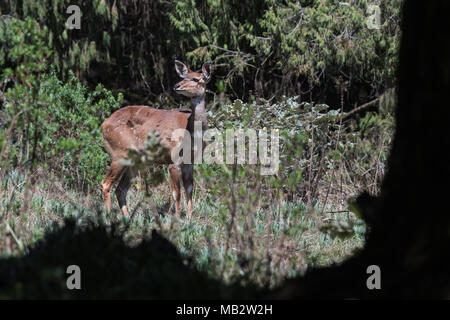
(283, 240)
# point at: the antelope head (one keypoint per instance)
(194, 83)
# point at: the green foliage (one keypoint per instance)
(323, 162)
(143, 159)
(22, 65)
(326, 39)
(75, 127)
(23, 51)
(292, 39)
(66, 124)
(313, 143)
(46, 121)
(266, 46)
(152, 152)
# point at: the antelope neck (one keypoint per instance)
(198, 112)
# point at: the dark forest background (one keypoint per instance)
(259, 48)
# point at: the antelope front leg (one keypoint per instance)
(187, 172)
(174, 179)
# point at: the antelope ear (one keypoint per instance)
(206, 70)
(181, 68)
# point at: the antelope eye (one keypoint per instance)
(196, 80)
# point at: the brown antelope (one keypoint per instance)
(127, 128)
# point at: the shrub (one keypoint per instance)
(316, 149)
(47, 122)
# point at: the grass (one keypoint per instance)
(261, 247)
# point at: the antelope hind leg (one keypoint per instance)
(114, 173)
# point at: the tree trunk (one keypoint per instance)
(409, 223)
